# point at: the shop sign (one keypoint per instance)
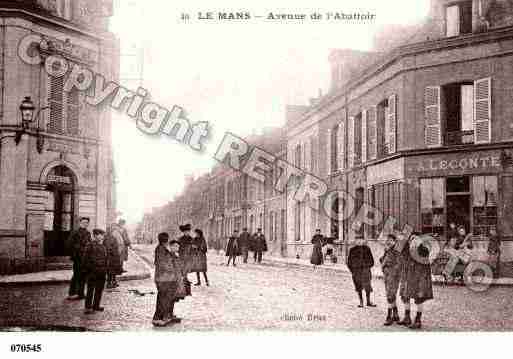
(460, 164)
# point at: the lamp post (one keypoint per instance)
(27, 109)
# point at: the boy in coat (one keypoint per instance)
(360, 262)
(391, 268)
(96, 267)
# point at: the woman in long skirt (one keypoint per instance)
(199, 256)
(317, 257)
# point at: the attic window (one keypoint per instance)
(458, 18)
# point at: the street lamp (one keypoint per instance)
(27, 109)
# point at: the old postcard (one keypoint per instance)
(264, 166)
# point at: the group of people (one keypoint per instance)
(97, 260)
(241, 245)
(174, 259)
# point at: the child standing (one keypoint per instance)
(360, 262)
(391, 267)
(95, 267)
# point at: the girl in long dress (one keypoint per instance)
(199, 256)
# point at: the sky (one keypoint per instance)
(238, 76)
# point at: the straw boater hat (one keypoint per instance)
(185, 227)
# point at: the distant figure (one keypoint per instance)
(115, 264)
(96, 268)
(126, 242)
(260, 245)
(185, 242)
(199, 256)
(494, 251)
(360, 262)
(79, 240)
(232, 249)
(317, 257)
(244, 244)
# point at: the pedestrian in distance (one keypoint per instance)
(317, 257)
(494, 251)
(169, 279)
(391, 267)
(244, 244)
(185, 249)
(96, 263)
(126, 243)
(416, 282)
(360, 261)
(260, 245)
(79, 240)
(232, 248)
(199, 256)
(115, 263)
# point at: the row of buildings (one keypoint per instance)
(420, 129)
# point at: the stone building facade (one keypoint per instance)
(59, 167)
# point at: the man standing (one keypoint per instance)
(232, 249)
(79, 239)
(185, 250)
(126, 242)
(260, 245)
(244, 241)
(96, 267)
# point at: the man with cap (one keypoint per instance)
(185, 242)
(244, 240)
(79, 240)
(232, 249)
(96, 266)
(260, 245)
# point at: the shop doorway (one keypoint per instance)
(458, 201)
(60, 211)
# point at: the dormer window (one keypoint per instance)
(458, 18)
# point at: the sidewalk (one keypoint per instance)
(135, 268)
(342, 268)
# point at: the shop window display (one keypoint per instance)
(485, 191)
(432, 206)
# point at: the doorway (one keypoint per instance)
(59, 212)
(458, 210)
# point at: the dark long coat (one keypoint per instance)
(259, 243)
(79, 240)
(185, 251)
(244, 241)
(170, 273)
(115, 262)
(317, 258)
(416, 281)
(391, 267)
(199, 254)
(95, 260)
(360, 261)
(232, 248)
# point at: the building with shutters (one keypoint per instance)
(59, 167)
(422, 132)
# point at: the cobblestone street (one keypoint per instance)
(250, 297)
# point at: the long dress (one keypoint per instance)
(184, 251)
(199, 255)
(317, 257)
(416, 281)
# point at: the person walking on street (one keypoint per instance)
(79, 240)
(416, 282)
(115, 264)
(391, 268)
(199, 256)
(244, 244)
(260, 245)
(169, 278)
(185, 243)
(126, 242)
(494, 251)
(360, 262)
(232, 249)
(317, 257)
(96, 267)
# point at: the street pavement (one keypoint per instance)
(269, 296)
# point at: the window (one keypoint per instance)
(459, 113)
(358, 139)
(432, 203)
(334, 149)
(484, 206)
(313, 154)
(458, 18)
(297, 221)
(64, 107)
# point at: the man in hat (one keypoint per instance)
(232, 249)
(260, 245)
(95, 264)
(185, 242)
(244, 240)
(79, 240)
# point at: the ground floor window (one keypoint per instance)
(432, 203)
(484, 204)
(386, 198)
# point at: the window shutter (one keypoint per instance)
(55, 100)
(433, 133)
(392, 122)
(482, 110)
(72, 105)
(350, 142)
(328, 152)
(372, 147)
(364, 136)
(341, 145)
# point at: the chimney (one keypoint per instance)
(344, 63)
